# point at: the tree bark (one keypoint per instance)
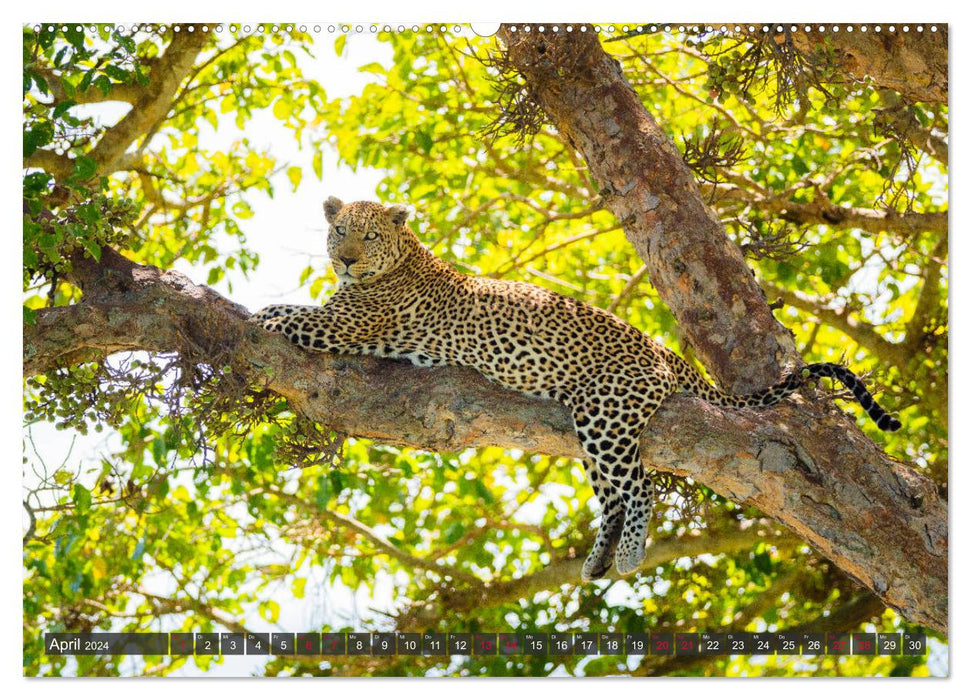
(802, 462)
(698, 272)
(911, 63)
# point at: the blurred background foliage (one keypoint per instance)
(199, 519)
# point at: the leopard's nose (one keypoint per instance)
(348, 261)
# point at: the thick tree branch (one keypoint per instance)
(60, 166)
(698, 272)
(154, 103)
(912, 63)
(803, 462)
(150, 105)
(119, 92)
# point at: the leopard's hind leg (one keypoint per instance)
(609, 421)
(637, 490)
(601, 555)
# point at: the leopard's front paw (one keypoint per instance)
(271, 312)
(273, 324)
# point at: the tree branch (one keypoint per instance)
(873, 220)
(379, 543)
(60, 166)
(119, 92)
(863, 333)
(912, 63)
(152, 104)
(566, 570)
(803, 463)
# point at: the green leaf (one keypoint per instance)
(117, 73)
(82, 498)
(84, 169)
(62, 107)
(86, 79)
(453, 533)
(269, 610)
(75, 36)
(424, 141)
(295, 174)
(37, 137)
(242, 210)
(282, 109)
(298, 587)
(339, 44)
(318, 164)
(159, 450)
(103, 83)
(799, 165)
(39, 81)
(324, 492)
(36, 183)
(375, 68)
(69, 89)
(94, 250)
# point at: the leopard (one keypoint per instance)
(396, 299)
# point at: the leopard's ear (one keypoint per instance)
(331, 207)
(399, 214)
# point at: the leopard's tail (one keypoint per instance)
(692, 382)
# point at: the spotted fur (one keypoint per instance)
(396, 299)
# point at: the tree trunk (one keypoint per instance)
(699, 273)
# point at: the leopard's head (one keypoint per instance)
(366, 240)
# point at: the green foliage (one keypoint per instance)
(213, 505)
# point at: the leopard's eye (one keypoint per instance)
(339, 230)
(370, 235)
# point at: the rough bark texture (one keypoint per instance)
(697, 270)
(912, 63)
(803, 463)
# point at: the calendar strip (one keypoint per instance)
(488, 644)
